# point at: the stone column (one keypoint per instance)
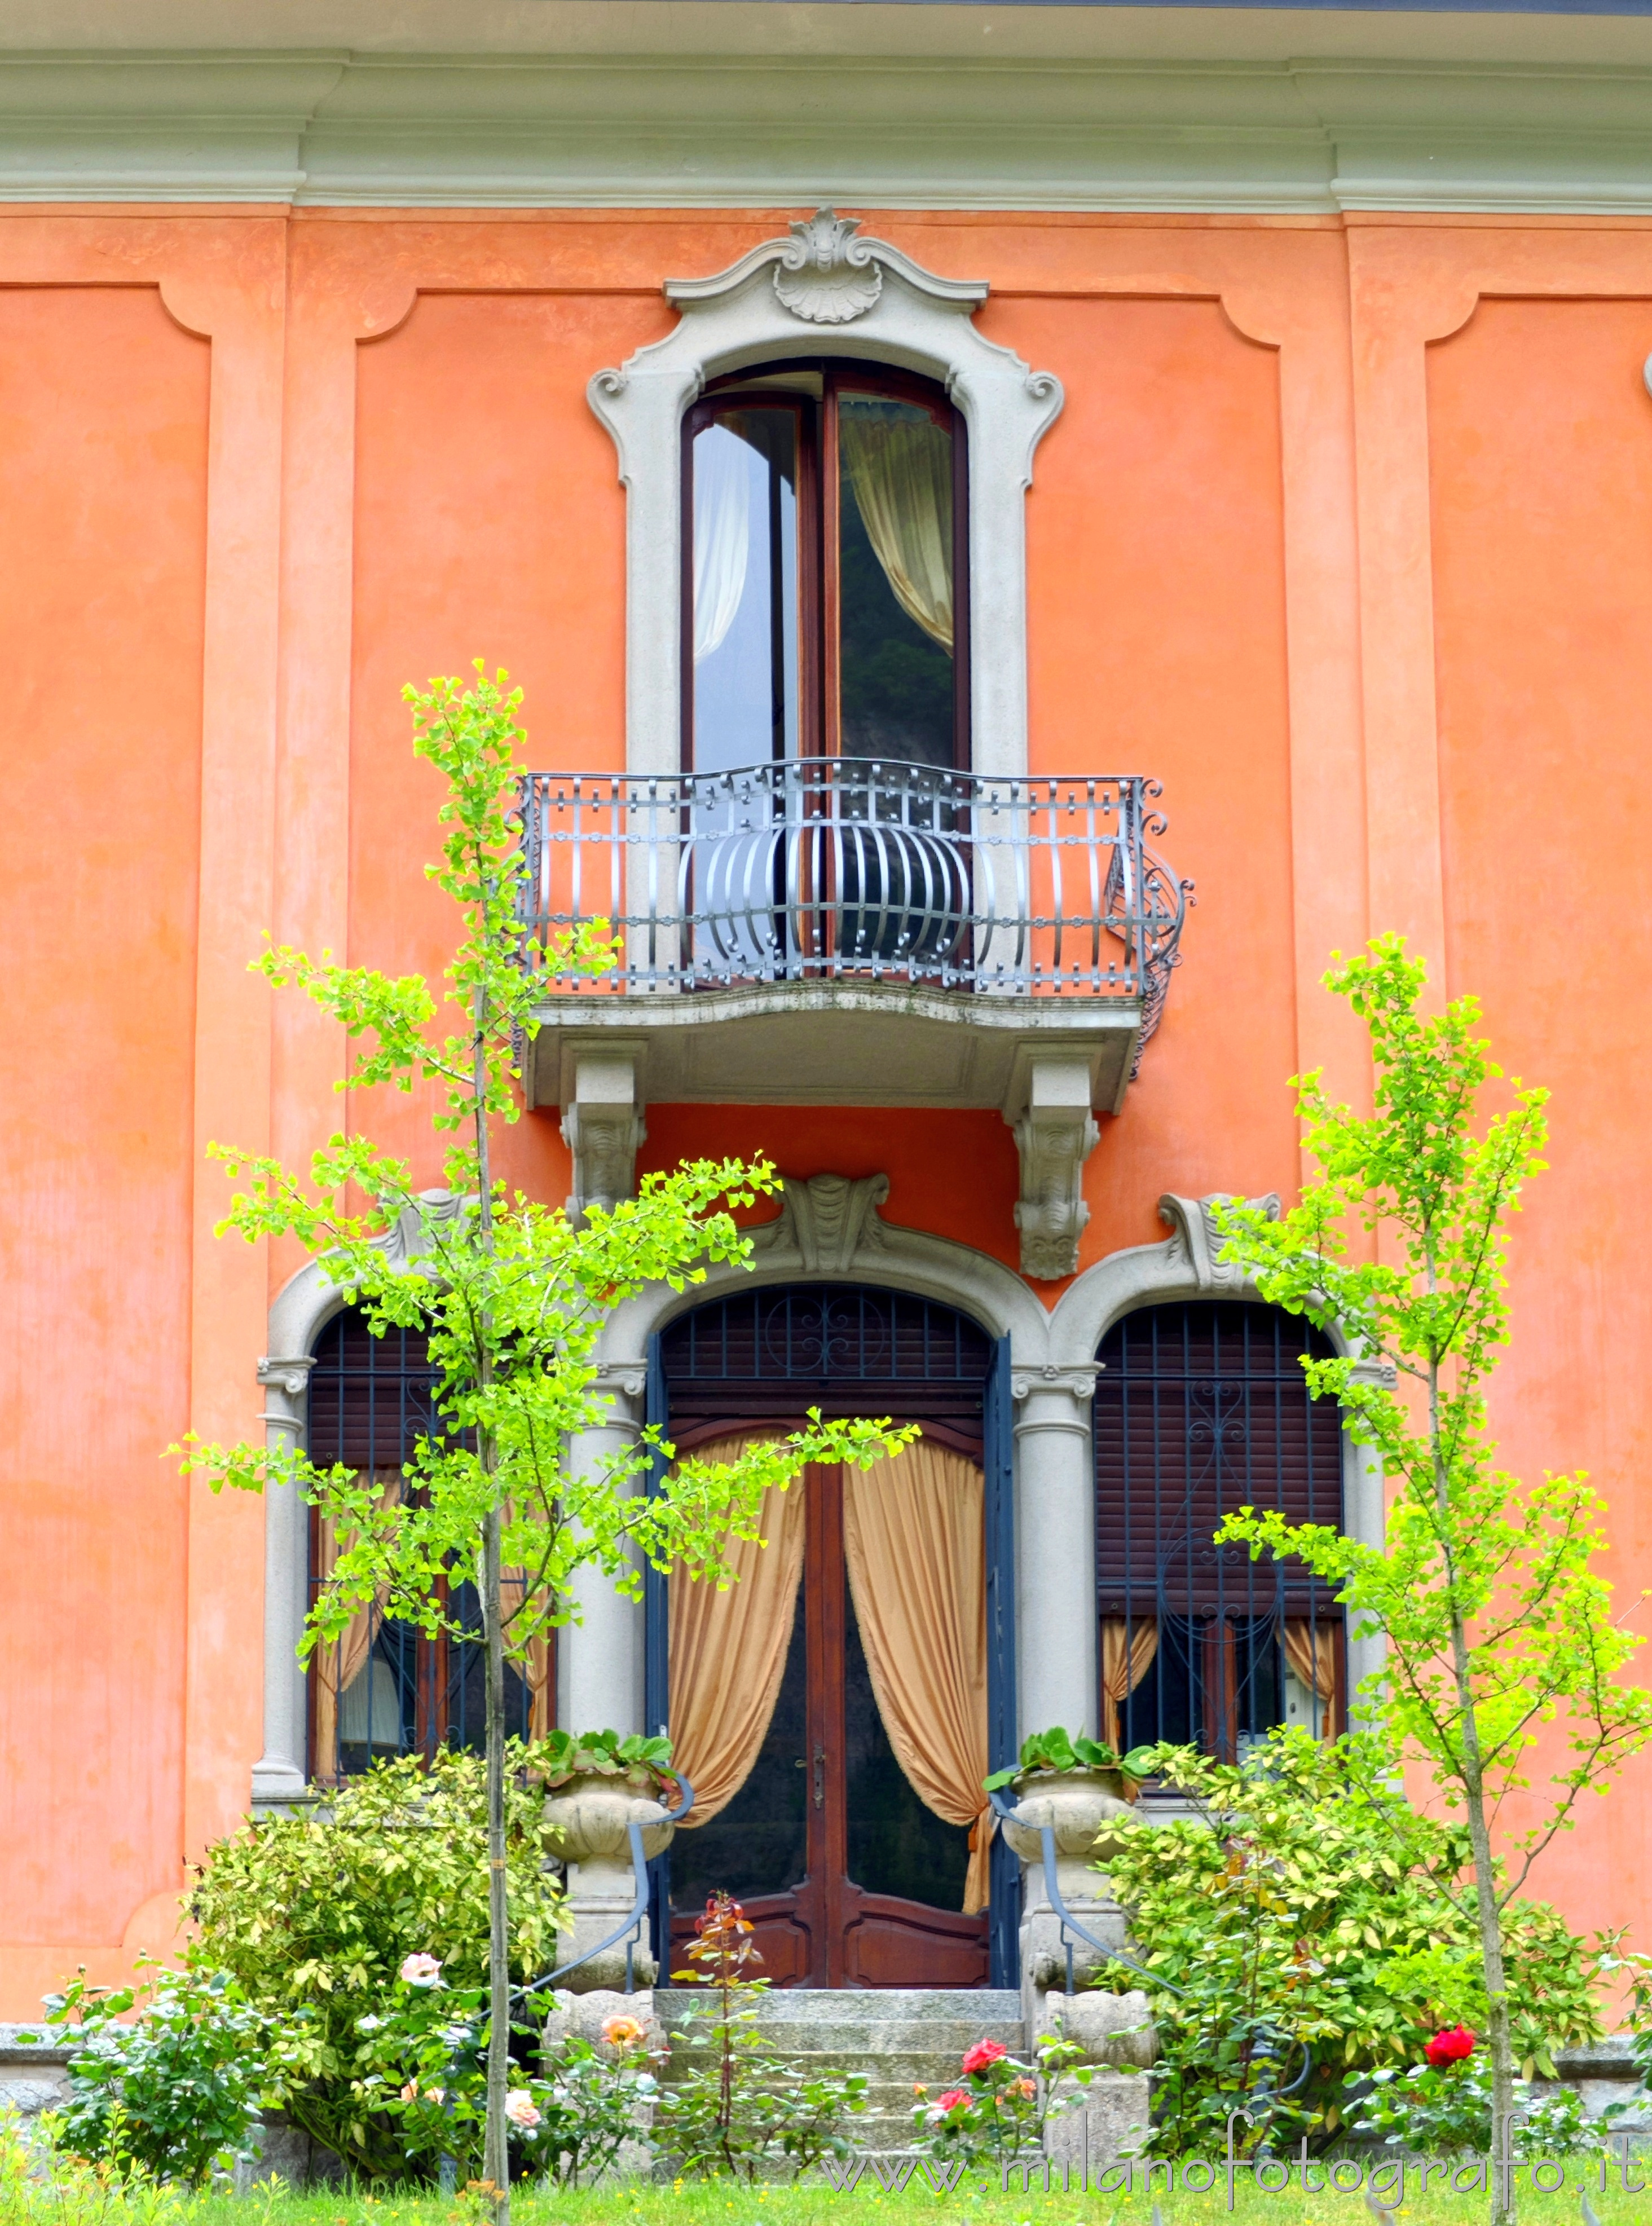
(1055, 1549)
(599, 1668)
(1365, 1518)
(280, 1776)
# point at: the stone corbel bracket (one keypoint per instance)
(1197, 1240)
(602, 1127)
(1048, 1110)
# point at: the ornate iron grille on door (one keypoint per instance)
(1201, 1409)
(385, 1688)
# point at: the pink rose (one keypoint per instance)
(520, 2109)
(421, 1971)
(983, 2053)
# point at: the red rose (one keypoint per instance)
(1450, 2046)
(955, 2098)
(983, 2053)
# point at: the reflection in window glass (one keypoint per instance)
(744, 589)
(896, 588)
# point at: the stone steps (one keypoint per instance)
(898, 2037)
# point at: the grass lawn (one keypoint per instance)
(817, 2205)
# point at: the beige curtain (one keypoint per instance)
(729, 1648)
(339, 1665)
(900, 464)
(1127, 1654)
(914, 1537)
(1311, 1651)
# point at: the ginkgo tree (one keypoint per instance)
(512, 1295)
(1499, 1626)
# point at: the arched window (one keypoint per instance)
(385, 1688)
(825, 586)
(1201, 1409)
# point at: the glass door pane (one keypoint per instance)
(895, 582)
(744, 588)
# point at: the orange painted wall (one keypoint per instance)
(102, 484)
(1543, 578)
(1357, 569)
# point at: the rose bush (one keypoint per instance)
(332, 1921)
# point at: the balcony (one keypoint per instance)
(842, 932)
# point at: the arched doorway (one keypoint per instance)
(872, 1650)
(1202, 1408)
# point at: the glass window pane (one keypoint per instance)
(759, 1843)
(744, 589)
(896, 588)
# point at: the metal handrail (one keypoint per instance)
(629, 1929)
(1006, 1811)
(810, 869)
(1070, 1923)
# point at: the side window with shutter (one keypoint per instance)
(1201, 1409)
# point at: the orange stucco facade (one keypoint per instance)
(1344, 534)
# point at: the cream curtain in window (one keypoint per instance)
(1128, 1653)
(900, 464)
(914, 1537)
(729, 1648)
(339, 1665)
(1311, 1652)
(722, 533)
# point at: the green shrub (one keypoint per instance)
(1308, 1919)
(173, 2090)
(315, 1915)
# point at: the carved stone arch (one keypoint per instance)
(829, 1230)
(825, 292)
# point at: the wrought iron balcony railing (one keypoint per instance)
(840, 868)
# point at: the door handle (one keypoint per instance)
(820, 1778)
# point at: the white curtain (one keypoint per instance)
(900, 464)
(722, 533)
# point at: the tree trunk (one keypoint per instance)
(496, 2154)
(1488, 1917)
(496, 2146)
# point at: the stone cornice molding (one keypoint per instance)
(1549, 117)
(814, 293)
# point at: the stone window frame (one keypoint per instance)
(824, 291)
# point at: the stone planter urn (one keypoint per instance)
(1085, 1808)
(585, 1826)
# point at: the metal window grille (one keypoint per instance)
(371, 1399)
(847, 1350)
(1201, 1409)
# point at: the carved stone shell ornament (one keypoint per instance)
(827, 276)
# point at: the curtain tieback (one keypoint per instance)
(988, 1817)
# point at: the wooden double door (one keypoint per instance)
(849, 1878)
